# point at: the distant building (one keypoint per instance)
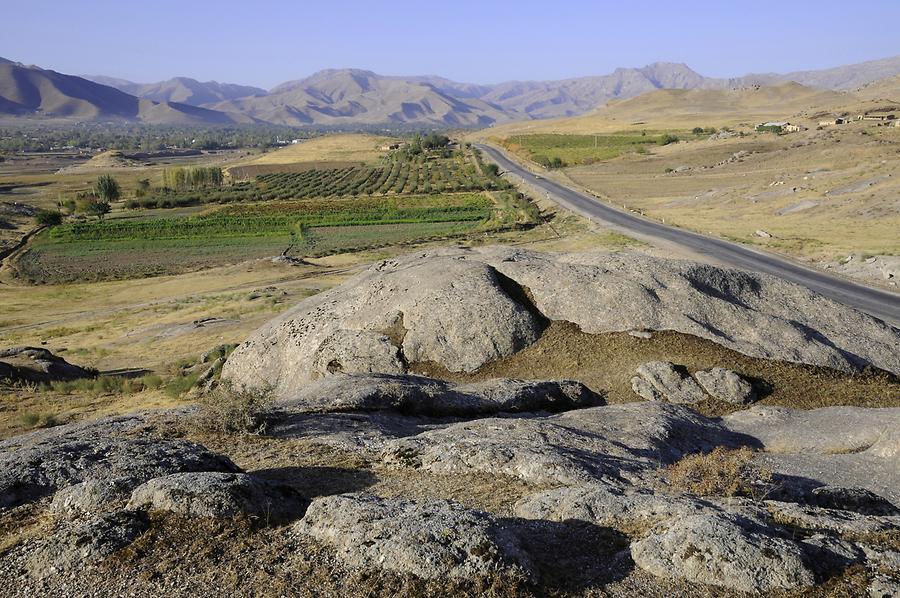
(879, 116)
(833, 121)
(778, 127)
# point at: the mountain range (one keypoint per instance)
(354, 97)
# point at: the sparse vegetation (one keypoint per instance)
(228, 411)
(559, 151)
(721, 472)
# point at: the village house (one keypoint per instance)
(778, 127)
(878, 116)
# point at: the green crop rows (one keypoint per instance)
(269, 219)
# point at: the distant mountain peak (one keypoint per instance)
(356, 97)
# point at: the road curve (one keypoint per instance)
(881, 304)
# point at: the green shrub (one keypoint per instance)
(151, 381)
(48, 217)
(180, 385)
(668, 138)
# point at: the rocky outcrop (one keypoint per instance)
(40, 463)
(428, 396)
(845, 447)
(35, 364)
(462, 308)
(75, 545)
(833, 430)
(726, 385)
(662, 381)
(573, 448)
(607, 504)
(841, 521)
(432, 540)
(725, 551)
(214, 494)
(92, 496)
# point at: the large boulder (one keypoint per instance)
(40, 463)
(726, 551)
(36, 364)
(455, 312)
(432, 540)
(428, 396)
(461, 308)
(726, 385)
(221, 495)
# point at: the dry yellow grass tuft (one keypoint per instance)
(722, 472)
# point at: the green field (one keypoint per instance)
(172, 243)
(282, 219)
(558, 150)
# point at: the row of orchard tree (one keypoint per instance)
(189, 179)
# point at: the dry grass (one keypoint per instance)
(807, 190)
(722, 472)
(608, 362)
(340, 148)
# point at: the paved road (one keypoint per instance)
(879, 303)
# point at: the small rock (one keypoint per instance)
(726, 385)
(644, 334)
(763, 234)
(660, 380)
(881, 558)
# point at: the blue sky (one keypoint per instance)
(267, 42)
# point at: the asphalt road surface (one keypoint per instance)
(879, 303)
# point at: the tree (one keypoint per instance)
(48, 217)
(98, 208)
(107, 189)
(142, 188)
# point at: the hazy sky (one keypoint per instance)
(267, 42)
